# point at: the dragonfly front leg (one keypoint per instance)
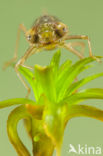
(74, 51)
(84, 37)
(21, 63)
(8, 63)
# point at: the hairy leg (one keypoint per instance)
(83, 37)
(28, 67)
(21, 63)
(78, 44)
(21, 28)
(74, 51)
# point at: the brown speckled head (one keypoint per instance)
(46, 30)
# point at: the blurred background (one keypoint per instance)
(82, 18)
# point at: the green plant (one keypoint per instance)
(57, 100)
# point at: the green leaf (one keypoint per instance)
(55, 62)
(44, 77)
(64, 68)
(31, 79)
(86, 67)
(66, 80)
(82, 82)
(27, 73)
(83, 110)
(16, 115)
(62, 74)
(11, 102)
(93, 93)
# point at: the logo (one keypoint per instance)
(89, 150)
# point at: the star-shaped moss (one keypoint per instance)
(57, 100)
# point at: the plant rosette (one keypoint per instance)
(58, 98)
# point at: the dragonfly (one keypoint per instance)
(47, 33)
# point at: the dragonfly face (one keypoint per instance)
(47, 33)
(46, 30)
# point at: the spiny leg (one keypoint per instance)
(20, 63)
(71, 49)
(83, 37)
(32, 52)
(80, 44)
(21, 28)
(28, 67)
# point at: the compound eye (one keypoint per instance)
(29, 37)
(64, 29)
